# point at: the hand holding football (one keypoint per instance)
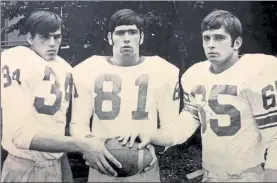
(133, 160)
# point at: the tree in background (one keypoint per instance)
(173, 30)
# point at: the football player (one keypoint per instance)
(124, 92)
(36, 87)
(233, 98)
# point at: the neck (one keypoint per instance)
(125, 61)
(217, 68)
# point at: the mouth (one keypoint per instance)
(126, 47)
(212, 53)
(51, 51)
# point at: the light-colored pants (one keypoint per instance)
(255, 174)
(152, 175)
(16, 169)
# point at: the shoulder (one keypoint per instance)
(14, 55)
(263, 72)
(84, 71)
(90, 62)
(195, 70)
(259, 64)
(161, 62)
(258, 61)
(162, 67)
(24, 61)
(63, 61)
(255, 57)
(16, 49)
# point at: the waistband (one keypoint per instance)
(210, 174)
(41, 164)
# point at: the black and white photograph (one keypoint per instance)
(138, 91)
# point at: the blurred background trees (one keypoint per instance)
(173, 30)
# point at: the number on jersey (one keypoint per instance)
(39, 102)
(269, 98)
(268, 119)
(231, 111)
(7, 76)
(113, 96)
(176, 93)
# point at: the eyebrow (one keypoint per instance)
(220, 35)
(127, 30)
(215, 35)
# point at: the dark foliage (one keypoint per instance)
(173, 32)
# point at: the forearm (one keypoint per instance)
(165, 137)
(176, 132)
(162, 137)
(270, 175)
(54, 143)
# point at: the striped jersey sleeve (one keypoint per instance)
(262, 95)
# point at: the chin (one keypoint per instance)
(126, 55)
(214, 60)
(49, 58)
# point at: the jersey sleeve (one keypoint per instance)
(16, 101)
(82, 102)
(182, 125)
(168, 97)
(262, 95)
(188, 120)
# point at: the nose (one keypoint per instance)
(211, 44)
(126, 37)
(51, 42)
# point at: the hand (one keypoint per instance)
(152, 163)
(131, 137)
(143, 136)
(96, 155)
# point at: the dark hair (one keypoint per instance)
(219, 18)
(43, 22)
(126, 17)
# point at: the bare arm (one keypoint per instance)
(176, 133)
(54, 143)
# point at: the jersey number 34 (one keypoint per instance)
(39, 102)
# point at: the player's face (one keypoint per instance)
(46, 46)
(217, 44)
(126, 40)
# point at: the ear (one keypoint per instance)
(237, 43)
(141, 38)
(110, 40)
(30, 38)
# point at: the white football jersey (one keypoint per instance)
(35, 97)
(231, 106)
(122, 99)
(262, 93)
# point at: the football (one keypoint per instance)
(132, 160)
